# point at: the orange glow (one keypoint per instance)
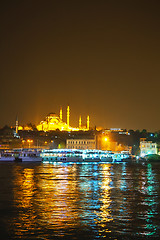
(29, 141)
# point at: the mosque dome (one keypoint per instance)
(53, 122)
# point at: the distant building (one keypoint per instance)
(147, 147)
(54, 122)
(81, 144)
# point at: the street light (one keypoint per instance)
(29, 142)
(23, 141)
(105, 142)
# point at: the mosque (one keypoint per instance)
(53, 122)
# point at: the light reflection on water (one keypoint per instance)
(80, 201)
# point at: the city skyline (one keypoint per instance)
(101, 58)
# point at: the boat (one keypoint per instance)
(21, 155)
(28, 155)
(61, 155)
(7, 156)
(79, 155)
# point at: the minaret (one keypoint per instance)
(88, 122)
(68, 113)
(60, 114)
(16, 125)
(80, 122)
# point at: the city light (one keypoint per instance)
(30, 142)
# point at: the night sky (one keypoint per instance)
(100, 57)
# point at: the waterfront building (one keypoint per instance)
(147, 147)
(81, 143)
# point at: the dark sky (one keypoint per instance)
(100, 57)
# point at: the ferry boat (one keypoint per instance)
(7, 156)
(97, 156)
(27, 155)
(61, 155)
(78, 155)
(21, 155)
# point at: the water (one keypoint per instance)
(79, 201)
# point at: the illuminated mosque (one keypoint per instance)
(54, 122)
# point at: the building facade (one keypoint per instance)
(81, 144)
(147, 147)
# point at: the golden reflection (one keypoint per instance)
(105, 212)
(23, 193)
(24, 186)
(58, 196)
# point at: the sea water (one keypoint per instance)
(79, 201)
